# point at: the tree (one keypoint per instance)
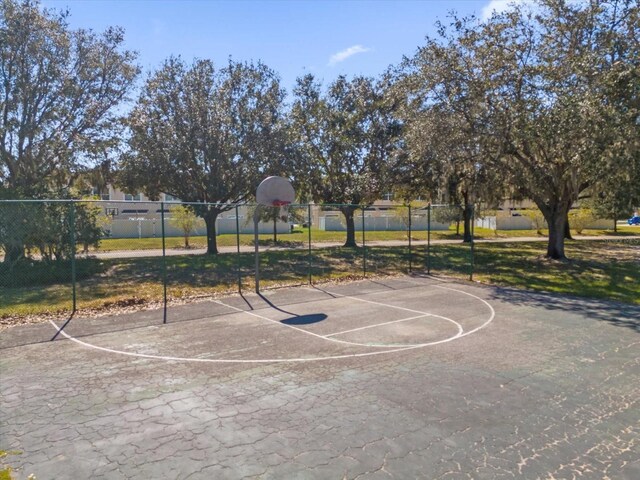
(59, 91)
(59, 94)
(581, 218)
(561, 118)
(267, 214)
(557, 94)
(448, 214)
(184, 218)
(617, 195)
(345, 138)
(408, 210)
(441, 106)
(206, 135)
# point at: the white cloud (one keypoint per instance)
(344, 54)
(498, 6)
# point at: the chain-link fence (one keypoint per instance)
(62, 256)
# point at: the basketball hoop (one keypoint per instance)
(272, 192)
(275, 192)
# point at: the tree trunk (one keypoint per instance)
(210, 220)
(186, 241)
(557, 222)
(351, 226)
(466, 215)
(567, 228)
(12, 255)
(457, 228)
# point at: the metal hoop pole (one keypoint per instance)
(309, 234)
(72, 228)
(364, 248)
(410, 251)
(238, 251)
(472, 242)
(256, 219)
(429, 239)
(164, 266)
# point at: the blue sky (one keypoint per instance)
(326, 38)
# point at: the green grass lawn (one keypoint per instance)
(301, 236)
(598, 268)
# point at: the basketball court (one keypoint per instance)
(308, 324)
(395, 377)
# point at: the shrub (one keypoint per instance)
(580, 218)
(536, 218)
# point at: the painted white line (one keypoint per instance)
(221, 360)
(493, 312)
(277, 322)
(377, 325)
(282, 360)
(346, 342)
(460, 329)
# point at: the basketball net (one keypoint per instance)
(284, 207)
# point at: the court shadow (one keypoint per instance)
(615, 313)
(62, 327)
(305, 319)
(272, 305)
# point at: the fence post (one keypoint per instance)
(309, 234)
(164, 267)
(473, 211)
(364, 248)
(238, 251)
(410, 251)
(72, 227)
(429, 239)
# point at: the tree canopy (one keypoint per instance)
(541, 101)
(548, 95)
(59, 92)
(345, 139)
(206, 134)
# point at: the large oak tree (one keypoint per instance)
(345, 138)
(206, 135)
(60, 90)
(555, 92)
(59, 93)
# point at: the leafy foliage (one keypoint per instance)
(345, 138)
(47, 230)
(184, 218)
(59, 91)
(548, 97)
(537, 219)
(207, 135)
(581, 218)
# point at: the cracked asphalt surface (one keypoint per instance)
(550, 388)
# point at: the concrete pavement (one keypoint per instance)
(540, 386)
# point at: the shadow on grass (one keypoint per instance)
(600, 269)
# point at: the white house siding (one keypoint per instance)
(335, 223)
